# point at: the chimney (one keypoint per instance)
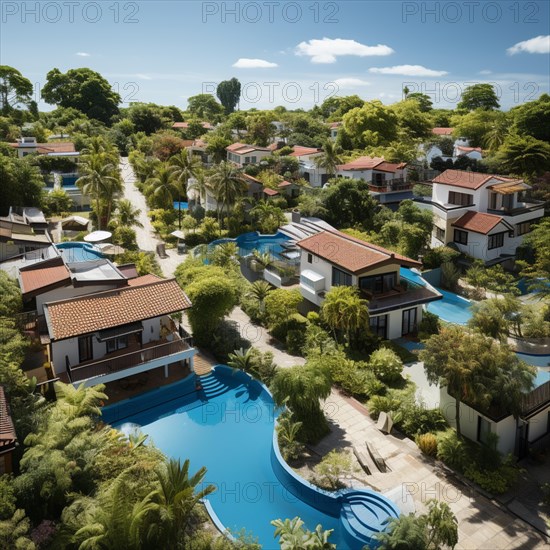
(296, 216)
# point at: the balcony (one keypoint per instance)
(123, 363)
(522, 208)
(405, 294)
(390, 186)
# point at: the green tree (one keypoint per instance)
(146, 117)
(227, 185)
(259, 128)
(333, 467)
(336, 107)
(524, 155)
(15, 90)
(280, 305)
(57, 201)
(538, 271)
(185, 166)
(204, 107)
(126, 215)
(15, 532)
(267, 216)
(83, 89)
(423, 100)
(370, 125)
(479, 96)
(22, 183)
(229, 94)
(533, 118)
(293, 536)
(413, 122)
(161, 187)
(301, 388)
(259, 290)
(330, 158)
(346, 312)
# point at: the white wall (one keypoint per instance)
(151, 329)
(538, 424)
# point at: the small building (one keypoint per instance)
(28, 145)
(243, 154)
(8, 437)
(18, 236)
(109, 335)
(185, 125)
(484, 215)
(313, 174)
(332, 258)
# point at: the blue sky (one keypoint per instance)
(291, 53)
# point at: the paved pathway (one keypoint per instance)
(145, 236)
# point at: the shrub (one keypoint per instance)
(437, 256)
(353, 379)
(495, 481)
(415, 419)
(386, 365)
(295, 340)
(382, 403)
(449, 276)
(429, 324)
(452, 450)
(427, 443)
(334, 466)
(287, 434)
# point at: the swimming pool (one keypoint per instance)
(247, 242)
(228, 427)
(452, 308)
(181, 205)
(78, 252)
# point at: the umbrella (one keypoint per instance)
(74, 223)
(178, 234)
(97, 236)
(110, 249)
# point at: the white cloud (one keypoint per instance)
(327, 50)
(143, 76)
(485, 71)
(244, 63)
(350, 82)
(83, 54)
(407, 70)
(539, 44)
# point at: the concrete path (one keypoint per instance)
(145, 236)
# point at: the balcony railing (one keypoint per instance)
(118, 363)
(388, 186)
(406, 292)
(525, 207)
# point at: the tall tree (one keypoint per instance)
(330, 158)
(185, 165)
(15, 90)
(83, 89)
(479, 96)
(161, 187)
(227, 186)
(229, 93)
(524, 155)
(204, 107)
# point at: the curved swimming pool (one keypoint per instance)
(73, 252)
(247, 242)
(228, 426)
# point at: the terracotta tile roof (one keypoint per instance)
(332, 125)
(8, 438)
(466, 179)
(33, 280)
(350, 253)
(270, 192)
(362, 163)
(44, 148)
(442, 131)
(144, 279)
(299, 151)
(390, 166)
(111, 308)
(469, 149)
(285, 183)
(478, 222)
(205, 125)
(243, 148)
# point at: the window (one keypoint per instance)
(483, 429)
(310, 258)
(85, 350)
(461, 237)
(462, 199)
(253, 160)
(340, 278)
(496, 241)
(440, 234)
(379, 325)
(115, 344)
(378, 284)
(408, 323)
(493, 201)
(522, 228)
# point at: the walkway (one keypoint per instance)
(145, 236)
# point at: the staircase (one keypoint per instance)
(211, 386)
(364, 514)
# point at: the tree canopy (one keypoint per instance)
(229, 93)
(479, 96)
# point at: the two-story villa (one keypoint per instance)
(387, 181)
(484, 215)
(332, 258)
(243, 154)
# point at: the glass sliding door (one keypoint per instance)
(409, 324)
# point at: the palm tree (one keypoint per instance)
(241, 359)
(186, 165)
(259, 290)
(330, 158)
(175, 499)
(227, 186)
(344, 310)
(200, 185)
(98, 181)
(499, 130)
(126, 215)
(268, 216)
(161, 187)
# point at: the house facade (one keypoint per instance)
(313, 174)
(18, 236)
(109, 335)
(485, 216)
(243, 154)
(332, 258)
(387, 181)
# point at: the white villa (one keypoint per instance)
(484, 215)
(387, 181)
(109, 335)
(243, 154)
(331, 258)
(314, 175)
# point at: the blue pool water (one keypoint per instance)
(523, 286)
(452, 308)
(228, 427)
(78, 252)
(247, 242)
(181, 205)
